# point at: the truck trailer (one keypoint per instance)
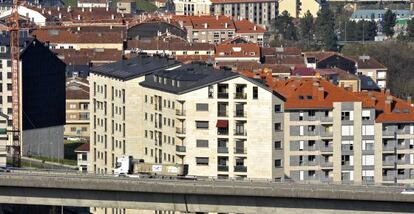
(127, 166)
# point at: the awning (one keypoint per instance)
(222, 123)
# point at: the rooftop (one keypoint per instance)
(67, 36)
(83, 148)
(134, 67)
(238, 50)
(186, 78)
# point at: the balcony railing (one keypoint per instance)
(222, 150)
(222, 168)
(240, 150)
(326, 164)
(326, 119)
(180, 112)
(240, 168)
(327, 148)
(388, 163)
(240, 95)
(240, 113)
(180, 130)
(180, 148)
(240, 132)
(222, 113)
(222, 131)
(222, 95)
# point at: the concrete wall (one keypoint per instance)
(45, 142)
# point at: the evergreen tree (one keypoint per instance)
(306, 27)
(389, 23)
(283, 25)
(325, 29)
(410, 29)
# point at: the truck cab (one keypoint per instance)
(123, 166)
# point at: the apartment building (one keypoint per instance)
(82, 154)
(217, 29)
(237, 52)
(332, 134)
(298, 8)
(42, 97)
(93, 3)
(192, 7)
(260, 12)
(368, 66)
(220, 123)
(4, 139)
(77, 108)
(115, 120)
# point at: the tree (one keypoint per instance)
(389, 23)
(284, 27)
(306, 27)
(325, 29)
(410, 29)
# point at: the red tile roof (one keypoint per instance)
(169, 44)
(245, 26)
(366, 62)
(302, 71)
(67, 36)
(237, 50)
(77, 93)
(394, 110)
(312, 93)
(85, 56)
(83, 148)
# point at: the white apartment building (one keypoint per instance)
(192, 7)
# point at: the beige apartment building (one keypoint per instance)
(298, 8)
(192, 7)
(217, 29)
(220, 123)
(77, 108)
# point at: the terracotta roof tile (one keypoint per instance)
(67, 36)
(245, 26)
(83, 148)
(237, 50)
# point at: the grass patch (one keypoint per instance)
(55, 160)
(146, 5)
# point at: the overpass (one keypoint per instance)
(199, 196)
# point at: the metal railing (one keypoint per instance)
(240, 150)
(240, 95)
(180, 112)
(240, 168)
(179, 148)
(222, 150)
(222, 168)
(180, 130)
(240, 113)
(222, 95)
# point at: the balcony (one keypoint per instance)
(180, 112)
(222, 168)
(181, 150)
(240, 133)
(240, 113)
(240, 95)
(223, 150)
(222, 95)
(326, 119)
(240, 150)
(222, 131)
(240, 168)
(180, 132)
(388, 147)
(326, 134)
(388, 134)
(326, 164)
(222, 113)
(327, 148)
(388, 163)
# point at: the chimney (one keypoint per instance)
(83, 9)
(60, 15)
(112, 16)
(387, 91)
(255, 28)
(409, 100)
(49, 12)
(226, 25)
(205, 25)
(217, 17)
(107, 8)
(315, 88)
(321, 93)
(387, 107)
(78, 28)
(90, 9)
(79, 17)
(58, 8)
(68, 9)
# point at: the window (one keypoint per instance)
(255, 92)
(278, 108)
(202, 106)
(368, 160)
(278, 163)
(202, 143)
(366, 114)
(347, 115)
(202, 124)
(278, 144)
(202, 161)
(368, 145)
(347, 130)
(9, 75)
(368, 130)
(278, 127)
(9, 86)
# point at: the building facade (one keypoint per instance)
(77, 108)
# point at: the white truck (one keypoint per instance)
(127, 166)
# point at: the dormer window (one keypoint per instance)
(155, 78)
(160, 79)
(178, 83)
(173, 82)
(406, 111)
(301, 97)
(309, 97)
(165, 81)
